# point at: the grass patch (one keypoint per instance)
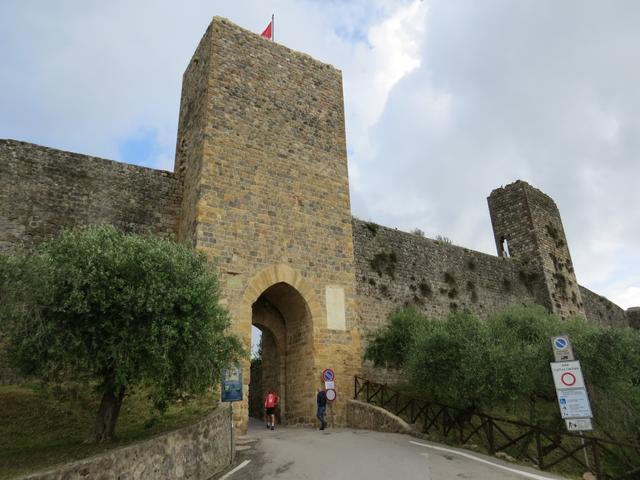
(41, 427)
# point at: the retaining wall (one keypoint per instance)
(196, 452)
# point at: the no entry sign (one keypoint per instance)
(573, 399)
(567, 375)
(331, 394)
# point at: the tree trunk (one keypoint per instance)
(108, 414)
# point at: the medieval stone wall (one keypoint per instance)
(601, 310)
(395, 269)
(44, 190)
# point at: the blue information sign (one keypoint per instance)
(232, 384)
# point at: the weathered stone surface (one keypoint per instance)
(370, 417)
(600, 310)
(395, 269)
(633, 314)
(43, 190)
(197, 452)
(527, 226)
(262, 154)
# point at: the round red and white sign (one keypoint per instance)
(568, 379)
(331, 394)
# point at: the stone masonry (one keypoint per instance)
(262, 155)
(527, 226)
(260, 185)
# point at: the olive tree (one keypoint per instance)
(116, 310)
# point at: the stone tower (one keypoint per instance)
(261, 154)
(527, 226)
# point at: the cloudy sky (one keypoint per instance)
(445, 100)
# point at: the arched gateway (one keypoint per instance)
(261, 156)
(284, 311)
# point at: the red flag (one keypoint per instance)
(268, 31)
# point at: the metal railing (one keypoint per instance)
(564, 451)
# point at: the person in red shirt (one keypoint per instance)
(270, 403)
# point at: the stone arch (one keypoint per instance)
(281, 273)
(281, 303)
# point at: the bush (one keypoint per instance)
(503, 364)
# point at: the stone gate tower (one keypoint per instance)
(527, 226)
(261, 154)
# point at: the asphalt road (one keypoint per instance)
(299, 453)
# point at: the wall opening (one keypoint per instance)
(504, 248)
(286, 365)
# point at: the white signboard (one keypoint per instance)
(329, 385)
(579, 424)
(567, 375)
(574, 403)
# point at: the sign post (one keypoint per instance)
(231, 390)
(329, 379)
(573, 400)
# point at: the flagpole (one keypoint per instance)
(273, 28)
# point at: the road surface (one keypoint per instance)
(335, 454)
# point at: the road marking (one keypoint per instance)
(482, 460)
(242, 465)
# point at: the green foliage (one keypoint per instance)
(389, 346)
(443, 240)
(122, 310)
(502, 364)
(384, 262)
(449, 358)
(372, 227)
(43, 425)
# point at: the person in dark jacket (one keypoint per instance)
(321, 400)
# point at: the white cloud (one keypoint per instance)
(627, 297)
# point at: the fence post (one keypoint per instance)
(489, 433)
(596, 459)
(539, 450)
(445, 417)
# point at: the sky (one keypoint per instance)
(445, 100)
